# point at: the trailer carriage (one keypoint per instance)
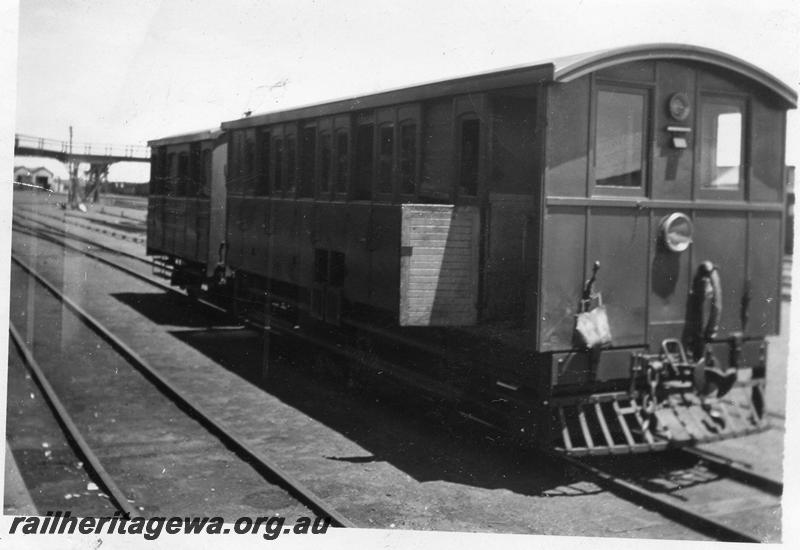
(186, 206)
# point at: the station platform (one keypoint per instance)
(17, 500)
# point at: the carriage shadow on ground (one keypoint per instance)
(386, 420)
(423, 441)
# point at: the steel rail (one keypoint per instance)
(680, 514)
(69, 426)
(34, 232)
(737, 470)
(275, 328)
(133, 273)
(39, 233)
(71, 235)
(670, 509)
(68, 234)
(263, 464)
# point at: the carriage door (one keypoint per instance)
(673, 180)
(699, 166)
(326, 292)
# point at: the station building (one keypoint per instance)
(39, 176)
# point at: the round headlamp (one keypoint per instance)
(676, 232)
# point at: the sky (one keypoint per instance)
(129, 71)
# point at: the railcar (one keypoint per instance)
(585, 251)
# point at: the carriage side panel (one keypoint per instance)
(764, 230)
(513, 183)
(567, 139)
(563, 276)
(384, 244)
(437, 147)
(766, 172)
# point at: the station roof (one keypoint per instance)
(562, 69)
(32, 171)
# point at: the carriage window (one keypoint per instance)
(235, 154)
(408, 158)
(264, 165)
(167, 175)
(320, 265)
(278, 164)
(172, 166)
(249, 155)
(341, 161)
(721, 143)
(163, 162)
(386, 158)
(325, 160)
(336, 269)
(160, 171)
(363, 190)
(183, 174)
(619, 138)
(470, 156)
(206, 189)
(196, 173)
(309, 155)
(291, 164)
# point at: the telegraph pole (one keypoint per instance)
(73, 174)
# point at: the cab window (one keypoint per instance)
(620, 134)
(721, 125)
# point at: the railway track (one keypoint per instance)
(57, 237)
(48, 229)
(665, 503)
(255, 459)
(738, 470)
(128, 231)
(686, 494)
(71, 430)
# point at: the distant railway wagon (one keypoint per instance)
(186, 205)
(585, 252)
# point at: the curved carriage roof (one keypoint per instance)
(563, 69)
(575, 66)
(188, 137)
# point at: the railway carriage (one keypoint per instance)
(585, 251)
(186, 206)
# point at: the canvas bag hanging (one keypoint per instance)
(591, 325)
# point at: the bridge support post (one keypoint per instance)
(73, 192)
(98, 176)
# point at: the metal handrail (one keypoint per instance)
(99, 149)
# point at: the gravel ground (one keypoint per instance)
(383, 459)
